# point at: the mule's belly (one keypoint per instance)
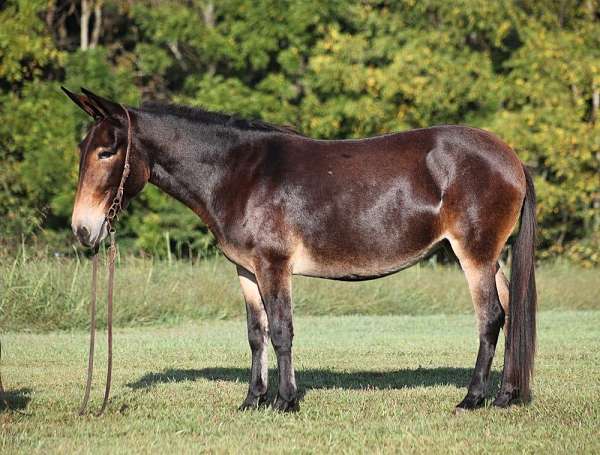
(363, 244)
(356, 267)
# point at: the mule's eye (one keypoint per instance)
(105, 153)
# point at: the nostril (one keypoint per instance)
(83, 233)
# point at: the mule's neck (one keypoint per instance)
(191, 161)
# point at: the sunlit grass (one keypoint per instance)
(369, 384)
(384, 380)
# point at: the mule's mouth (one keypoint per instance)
(102, 235)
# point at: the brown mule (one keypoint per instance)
(280, 204)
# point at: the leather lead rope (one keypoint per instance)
(111, 216)
(90, 370)
(109, 307)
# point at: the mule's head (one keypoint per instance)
(101, 163)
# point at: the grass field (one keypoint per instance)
(380, 365)
(369, 384)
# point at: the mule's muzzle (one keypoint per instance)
(90, 233)
(83, 234)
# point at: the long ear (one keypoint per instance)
(85, 104)
(106, 107)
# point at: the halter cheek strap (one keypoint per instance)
(117, 203)
(111, 215)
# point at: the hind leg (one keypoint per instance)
(502, 286)
(507, 392)
(481, 279)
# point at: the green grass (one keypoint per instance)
(369, 384)
(42, 294)
(382, 380)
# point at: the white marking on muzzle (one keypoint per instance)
(93, 220)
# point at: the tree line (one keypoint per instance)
(527, 70)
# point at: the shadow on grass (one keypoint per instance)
(15, 400)
(327, 379)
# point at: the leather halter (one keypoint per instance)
(111, 216)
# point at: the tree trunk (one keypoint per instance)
(208, 14)
(50, 15)
(595, 103)
(97, 24)
(86, 12)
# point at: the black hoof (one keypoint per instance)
(504, 399)
(252, 402)
(283, 405)
(470, 402)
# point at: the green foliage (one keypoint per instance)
(526, 70)
(25, 48)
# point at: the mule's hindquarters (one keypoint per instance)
(477, 236)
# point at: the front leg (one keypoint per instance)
(258, 335)
(275, 284)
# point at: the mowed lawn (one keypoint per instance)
(368, 384)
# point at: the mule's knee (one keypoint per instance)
(258, 335)
(492, 320)
(282, 335)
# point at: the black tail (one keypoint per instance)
(520, 341)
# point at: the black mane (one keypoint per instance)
(214, 118)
